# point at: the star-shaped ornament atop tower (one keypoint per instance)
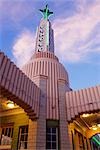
(46, 12)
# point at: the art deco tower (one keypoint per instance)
(37, 110)
(45, 70)
(44, 40)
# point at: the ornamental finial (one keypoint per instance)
(46, 12)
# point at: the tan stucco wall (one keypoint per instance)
(18, 120)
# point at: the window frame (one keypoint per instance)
(80, 139)
(52, 125)
(6, 129)
(25, 135)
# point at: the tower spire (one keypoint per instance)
(46, 12)
(45, 37)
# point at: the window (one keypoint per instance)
(6, 135)
(80, 140)
(23, 137)
(72, 139)
(86, 143)
(52, 138)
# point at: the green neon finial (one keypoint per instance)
(46, 13)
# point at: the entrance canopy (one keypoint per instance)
(82, 101)
(17, 87)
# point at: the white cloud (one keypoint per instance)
(78, 36)
(23, 47)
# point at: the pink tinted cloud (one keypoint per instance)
(23, 47)
(73, 40)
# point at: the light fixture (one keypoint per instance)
(85, 115)
(98, 125)
(10, 104)
(94, 127)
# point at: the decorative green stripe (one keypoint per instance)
(95, 139)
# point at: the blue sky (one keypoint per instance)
(76, 25)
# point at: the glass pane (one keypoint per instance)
(12, 132)
(53, 137)
(26, 129)
(3, 131)
(6, 131)
(53, 130)
(9, 132)
(22, 137)
(23, 129)
(53, 145)
(26, 137)
(48, 137)
(22, 146)
(25, 145)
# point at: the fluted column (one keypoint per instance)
(65, 141)
(41, 81)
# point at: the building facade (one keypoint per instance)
(38, 109)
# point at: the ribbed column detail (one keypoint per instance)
(47, 64)
(82, 101)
